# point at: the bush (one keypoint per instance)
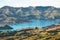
(40, 36)
(48, 38)
(57, 39)
(36, 28)
(10, 39)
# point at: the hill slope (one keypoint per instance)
(27, 14)
(53, 33)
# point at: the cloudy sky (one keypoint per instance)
(26, 3)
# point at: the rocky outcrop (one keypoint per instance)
(27, 14)
(5, 27)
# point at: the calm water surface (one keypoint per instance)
(35, 23)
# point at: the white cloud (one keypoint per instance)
(25, 3)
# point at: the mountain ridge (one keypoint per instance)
(14, 15)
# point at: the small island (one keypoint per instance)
(5, 28)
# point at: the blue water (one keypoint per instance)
(35, 23)
(5, 30)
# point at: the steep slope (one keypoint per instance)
(26, 14)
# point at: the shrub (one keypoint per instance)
(36, 27)
(40, 36)
(10, 39)
(57, 39)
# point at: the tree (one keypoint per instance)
(36, 27)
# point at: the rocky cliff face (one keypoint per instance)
(26, 14)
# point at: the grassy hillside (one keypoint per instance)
(48, 33)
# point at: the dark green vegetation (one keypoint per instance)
(48, 33)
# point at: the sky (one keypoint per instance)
(26, 3)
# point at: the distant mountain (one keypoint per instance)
(26, 14)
